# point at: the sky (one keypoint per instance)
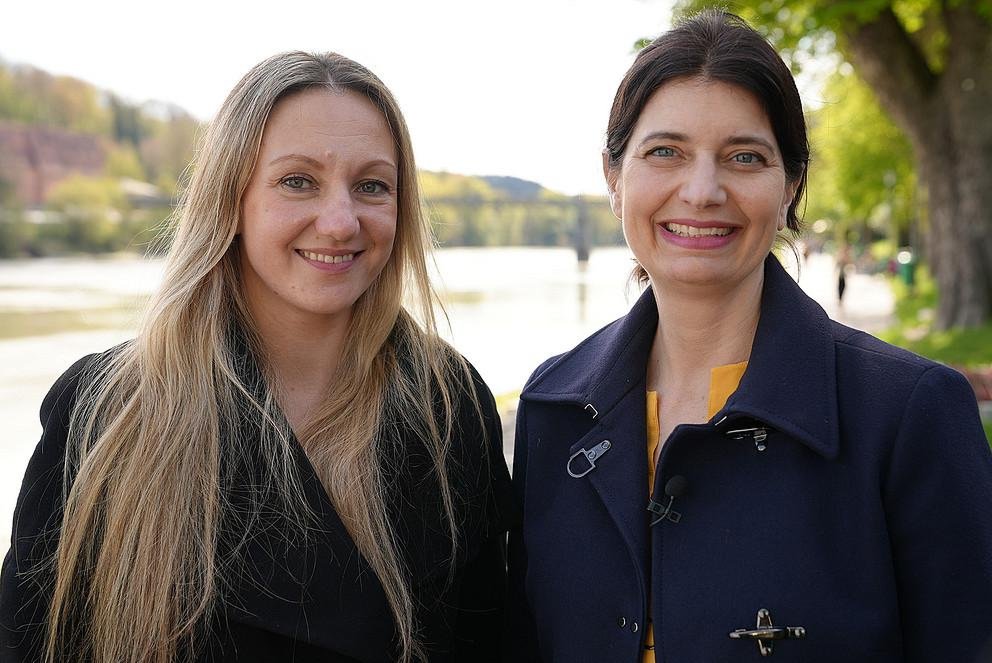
(517, 87)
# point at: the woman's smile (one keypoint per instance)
(702, 235)
(333, 262)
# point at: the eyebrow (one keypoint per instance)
(663, 135)
(310, 161)
(297, 157)
(742, 139)
(751, 140)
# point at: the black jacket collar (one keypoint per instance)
(789, 385)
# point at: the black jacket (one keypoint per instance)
(310, 598)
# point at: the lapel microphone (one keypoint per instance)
(675, 487)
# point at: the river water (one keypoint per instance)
(509, 309)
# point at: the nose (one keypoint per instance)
(702, 187)
(337, 217)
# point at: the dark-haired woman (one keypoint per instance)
(724, 473)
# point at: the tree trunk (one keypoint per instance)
(946, 117)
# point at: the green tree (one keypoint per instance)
(930, 64)
(33, 96)
(91, 210)
(167, 148)
(123, 161)
(862, 171)
(15, 232)
(128, 125)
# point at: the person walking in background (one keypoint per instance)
(284, 464)
(843, 262)
(725, 473)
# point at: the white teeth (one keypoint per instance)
(693, 231)
(320, 257)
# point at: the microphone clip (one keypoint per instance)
(664, 511)
(675, 487)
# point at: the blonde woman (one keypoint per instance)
(286, 463)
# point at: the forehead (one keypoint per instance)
(321, 119)
(703, 108)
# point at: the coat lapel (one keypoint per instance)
(791, 379)
(620, 474)
(605, 376)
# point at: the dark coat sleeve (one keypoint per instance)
(938, 500)
(25, 582)
(482, 587)
(521, 632)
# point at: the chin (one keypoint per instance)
(695, 273)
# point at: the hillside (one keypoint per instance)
(83, 170)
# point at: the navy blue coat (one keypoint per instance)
(863, 516)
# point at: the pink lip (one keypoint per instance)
(701, 243)
(331, 267)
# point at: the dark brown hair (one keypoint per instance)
(717, 46)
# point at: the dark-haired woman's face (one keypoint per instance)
(701, 189)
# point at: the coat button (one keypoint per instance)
(621, 622)
(634, 627)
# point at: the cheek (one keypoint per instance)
(382, 228)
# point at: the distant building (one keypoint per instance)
(34, 159)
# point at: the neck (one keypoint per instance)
(303, 352)
(699, 329)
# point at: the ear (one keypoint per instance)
(790, 195)
(611, 175)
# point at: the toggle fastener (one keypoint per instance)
(765, 633)
(591, 456)
(757, 434)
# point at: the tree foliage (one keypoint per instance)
(468, 211)
(929, 63)
(146, 143)
(862, 173)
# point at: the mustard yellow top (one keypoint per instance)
(724, 381)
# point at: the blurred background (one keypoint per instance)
(101, 105)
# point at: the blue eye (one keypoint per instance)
(297, 182)
(747, 158)
(662, 152)
(373, 187)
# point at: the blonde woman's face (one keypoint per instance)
(319, 214)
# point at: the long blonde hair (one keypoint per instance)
(137, 568)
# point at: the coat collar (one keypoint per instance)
(789, 385)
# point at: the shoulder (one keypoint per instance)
(43, 478)
(863, 345)
(864, 358)
(61, 397)
(928, 410)
(585, 362)
(477, 448)
(476, 413)
(56, 414)
(39, 504)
